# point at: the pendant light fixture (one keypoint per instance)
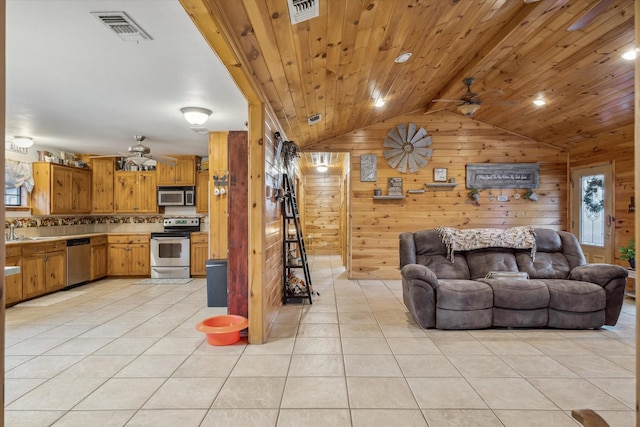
(322, 166)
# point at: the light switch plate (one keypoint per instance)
(503, 198)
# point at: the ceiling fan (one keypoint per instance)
(140, 154)
(470, 102)
(599, 7)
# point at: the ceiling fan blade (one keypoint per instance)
(500, 103)
(439, 109)
(586, 19)
(105, 156)
(171, 161)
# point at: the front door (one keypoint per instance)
(592, 211)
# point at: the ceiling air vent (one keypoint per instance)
(303, 10)
(314, 119)
(200, 130)
(124, 27)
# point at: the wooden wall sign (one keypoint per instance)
(368, 167)
(503, 175)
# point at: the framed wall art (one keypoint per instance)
(503, 175)
(368, 167)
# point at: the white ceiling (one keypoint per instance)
(74, 85)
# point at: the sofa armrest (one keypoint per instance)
(420, 272)
(600, 274)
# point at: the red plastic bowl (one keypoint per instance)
(223, 330)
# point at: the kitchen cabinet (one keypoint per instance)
(45, 268)
(129, 255)
(199, 253)
(102, 192)
(60, 189)
(135, 192)
(99, 255)
(183, 173)
(202, 192)
(13, 283)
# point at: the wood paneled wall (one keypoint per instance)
(376, 224)
(272, 278)
(619, 149)
(218, 206)
(322, 200)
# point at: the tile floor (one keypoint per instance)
(120, 354)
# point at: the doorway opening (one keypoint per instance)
(324, 203)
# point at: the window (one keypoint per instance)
(12, 196)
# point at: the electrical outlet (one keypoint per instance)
(503, 198)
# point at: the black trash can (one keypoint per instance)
(216, 282)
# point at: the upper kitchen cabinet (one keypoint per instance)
(202, 192)
(60, 189)
(183, 173)
(135, 192)
(102, 185)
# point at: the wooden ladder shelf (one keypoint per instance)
(294, 254)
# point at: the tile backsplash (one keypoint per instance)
(70, 225)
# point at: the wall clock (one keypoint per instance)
(408, 148)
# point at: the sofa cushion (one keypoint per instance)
(518, 294)
(509, 318)
(573, 320)
(482, 261)
(432, 253)
(472, 319)
(547, 265)
(575, 296)
(463, 295)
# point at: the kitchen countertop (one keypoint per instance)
(28, 240)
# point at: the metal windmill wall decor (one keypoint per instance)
(409, 148)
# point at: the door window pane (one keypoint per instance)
(592, 224)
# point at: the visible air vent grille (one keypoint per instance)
(121, 24)
(314, 119)
(303, 10)
(200, 130)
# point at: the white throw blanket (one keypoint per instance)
(455, 239)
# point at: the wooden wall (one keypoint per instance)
(376, 225)
(617, 148)
(272, 278)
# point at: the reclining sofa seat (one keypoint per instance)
(562, 290)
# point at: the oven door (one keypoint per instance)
(169, 251)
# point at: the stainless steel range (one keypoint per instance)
(170, 250)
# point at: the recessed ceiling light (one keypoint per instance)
(539, 102)
(379, 102)
(629, 55)
(403, 57)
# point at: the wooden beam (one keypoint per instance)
(257, 262)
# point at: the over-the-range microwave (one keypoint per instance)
(176, 196)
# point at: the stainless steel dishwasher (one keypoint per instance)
(78, 261)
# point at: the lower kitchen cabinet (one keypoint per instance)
(99, 255)
(45, 268)
(13, 283)
(129, 255)
(199, 253)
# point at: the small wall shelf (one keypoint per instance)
(420, 191)
(388, 197)
(441, 185)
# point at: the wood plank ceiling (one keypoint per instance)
(339, 63)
